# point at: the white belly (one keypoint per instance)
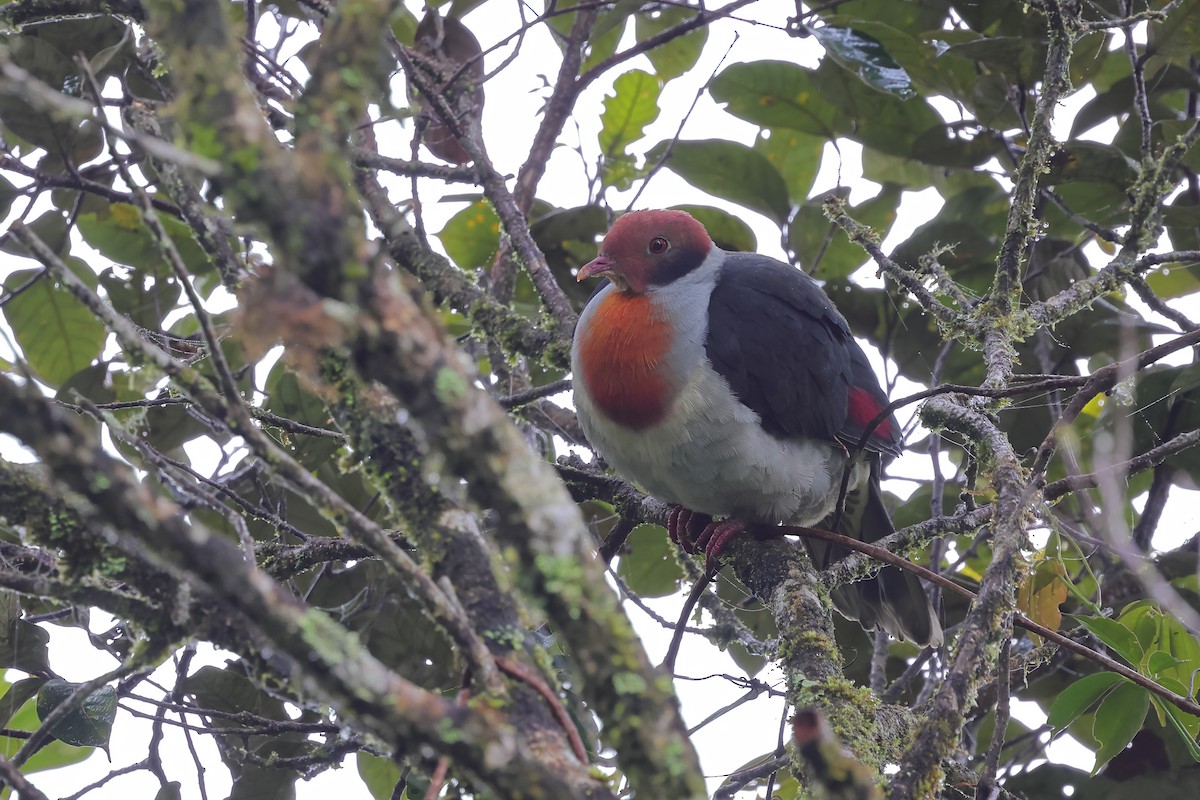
(711, 455)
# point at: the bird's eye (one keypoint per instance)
(658, 245)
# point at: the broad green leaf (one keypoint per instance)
(913, 16)
(1177, 279)
(1176, 37)
(796, 156)
(606, 32)
(823, 249)
(145, 296)
(90, 36)
(8, 193)
(18, 695)
(632, 106)
(879, 120)
(1118, 720)
(866, 57)
(472, 235)
(1173, 652)
(48, 64)
(1081, 695)
(1159, 660)
(922, 58)
(677, 55)
(404, 26)
(264, 783)
(288, 397)
(52, 756)
(650, 568)
(87, 725)
(730, 171)
(1185, 726)
(379, 774)
(778, 94)
(122, 235)
(57, 333)
(1018, 58)
(729, 232)
(50, 227)
(1115, 635)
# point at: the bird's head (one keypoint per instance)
(648, 249)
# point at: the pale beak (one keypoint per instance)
(600, 265)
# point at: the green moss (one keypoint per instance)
(563, 576)
(449, 386)
(448, 731)
(508, 637)
(629, 683)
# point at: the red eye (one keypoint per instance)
(658, 245)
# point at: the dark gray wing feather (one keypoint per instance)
(788, 354)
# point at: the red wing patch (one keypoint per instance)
(862, 408)
(621, 352)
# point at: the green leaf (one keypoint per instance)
(912, 17)
(52, 756)
(730, 171)
(1184, 725)
(778, 94)
(726, 230)
(288, 398)
(882, 121)
(47, 63)
(678, 55)
(120, 234)
(606, 33)
(822, 248)
(57, 333)
(145, 296)
(1115, 635)
(50, 227)
(379, 774)
(90, 36)
(1158, 661)
(8, 193)
(921, 57)
(1018, 58)
(87, 725)
(472, 235)
(1170, 281)
(1118, 720)
(866, 57)
(17, 696)
(1175, 38)
(796, 156)
(1081, 695)
(632, 106)
(650, 568)
(264, 783)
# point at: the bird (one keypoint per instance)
(729, 386)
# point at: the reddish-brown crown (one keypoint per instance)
(647, 249)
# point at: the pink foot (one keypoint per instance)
(683, 526)
(714, 538)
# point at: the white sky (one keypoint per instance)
(514, 100)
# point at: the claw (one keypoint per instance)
(683, 526)
(673, 515)
(714, 538)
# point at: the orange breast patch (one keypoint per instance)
(621, 354)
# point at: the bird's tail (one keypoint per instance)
(892, 599)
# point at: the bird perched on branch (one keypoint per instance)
(728, 385)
